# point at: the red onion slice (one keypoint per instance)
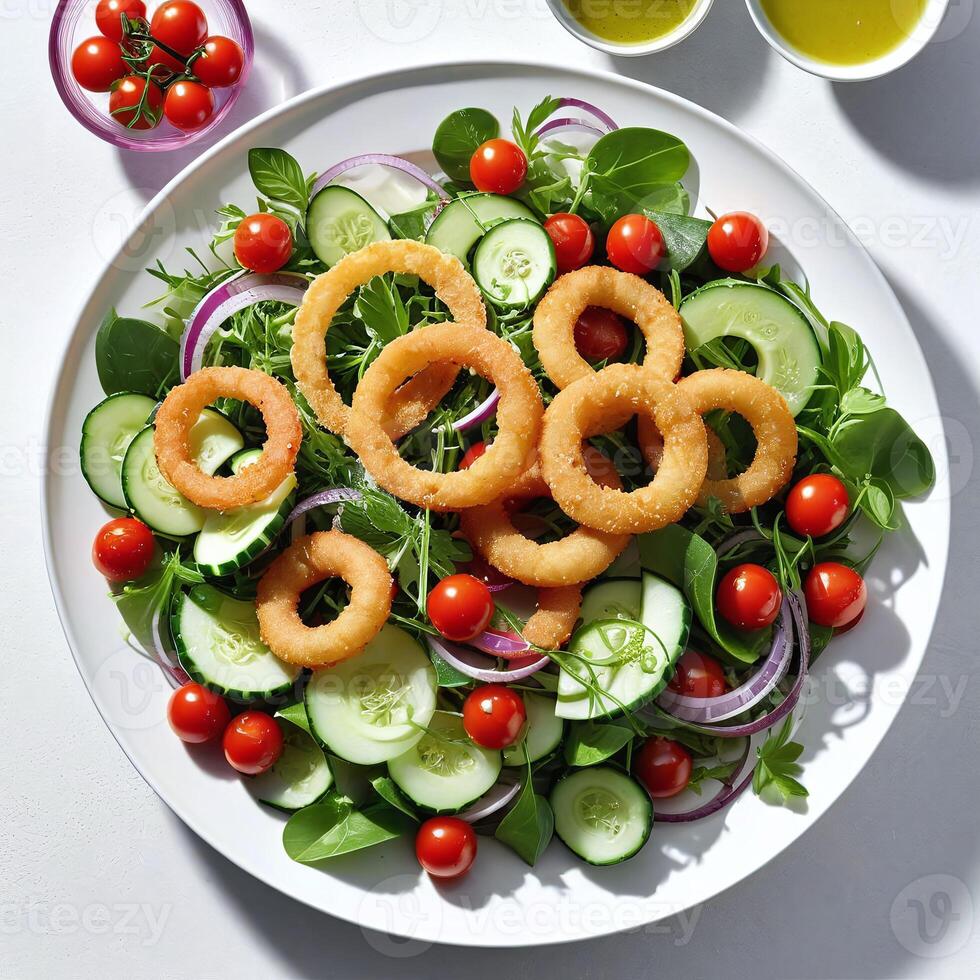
(481, 667)
(567, 123)
(480, 414)
(384, 160)
(495, 799)
(507, 645)
(607, 121)
(730, 791)
(324, 498)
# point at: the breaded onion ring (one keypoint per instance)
(304, 563)
(328, 292)
(597, 403)
(519, 415)
(575, 558)
(651, 445)
(181, 409)
(766, 411)
(623, 293)
(555, 618)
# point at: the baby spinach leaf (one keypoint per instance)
(458, 136)
(385, 787)
(591, 742)
(277, 175)
(135, 355)
(296, 715)
(686, 238)
(527, 829)
(446, 674)
(329, 829)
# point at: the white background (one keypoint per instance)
(98, 879)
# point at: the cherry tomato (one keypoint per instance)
(252, 742)
(263, 243)
(573, 240)
(635, 244)
(188, 105)
(460, 607)
(197, 714)
(472, 455)
(600, 334)
(749, 597)
(835, 595)
(97, 63)
(494, 716)
(699, 676)
(170, 64)
(179, 24)
(664, 767)
(126, 96)
(108, 16)
(738, 241)
(817, 505)
(123, 549)
(221, 64)
(498, 167)
(445, 846)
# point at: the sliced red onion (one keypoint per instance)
(734, 540)
(495, 798)
(384, 160)
(593, 110)
(167, 660)
(507, 645)
(567, 123)
(227, 298)
(731, 790)
(322, 499)
(480, 414)
(482, 668)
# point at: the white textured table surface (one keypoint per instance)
(98, 879)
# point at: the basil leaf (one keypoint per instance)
(135, 355)
(326, 830)
(277, 175)
(296, 715)
(385, 787)
(591, 743)
(527, 829)
(686, 238)
(458, 136)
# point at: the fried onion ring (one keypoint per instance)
(327, 293)
(652, 447)
(553, 621)
(181, 409)
(306, 562)
(597, 403)
(766, 411)
(623, 293)
(519, 415)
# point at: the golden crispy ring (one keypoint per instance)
(652, 447)
(519, 415)
(621, 292)
(766, 411)
(304, 563)
(179, 412)
(575, 558)
(555, 618)
(596, 403)
(328, 292)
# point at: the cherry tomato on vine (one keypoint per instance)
(188, 105)
(179, 24)
(573, 240)
(127, 94)
(97, 63)
(221, 63)
(445, 847)
(494, 716)
(108, 16)
(498, 167)
(738, 241)
(749, 597)
(600, 334)
(817, 505)
(263, 242)
(699, 676)
(472, 455)
(835, 595)
(252, 742)
(123, 549)
(664, 767)
(460, 607)
(170, 64)
(635, 244)
(197, 714)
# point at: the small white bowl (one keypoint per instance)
(922, 34)
(683, 30)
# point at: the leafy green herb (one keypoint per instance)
(385, 787)
(777, 766)
(721, 772)
(135, 355)
(446, 674)
(329, 829)
(524, 133)
(138, 604)
(278, 176)
(686, 238)
(527, 828)
(296, 715)
(379, 305)
(591, 742)
(457, 137)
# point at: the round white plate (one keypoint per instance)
(862, 680)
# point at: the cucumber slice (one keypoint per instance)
(218, 644)
(374, 706)
(445, 771)
(300, 777)
(789, 357)
(106, 434)
(515, 263)
(245, 458)
(545, 731)
(339, 221)
(601, 814)
(463, 222)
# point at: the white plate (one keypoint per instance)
(865, 676)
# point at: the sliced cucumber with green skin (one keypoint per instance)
(374, 706)
(106, 434)
(339, 221)
(515, 263)
(245, 458)
(444, 772)
(601, 814)
(789, 356)
(463, 222)
(218, 644)
(300, 777)
(545, 731)
(642, 658)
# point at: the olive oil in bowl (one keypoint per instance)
(630, 21)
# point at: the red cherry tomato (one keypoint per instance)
(108, 16)
(472, 455)
(664, 767)
(252, 742)
(188, 105)
(738, 241)
(635, 244)
(263, 243)
(445, 847)
(573, 240)
(197, 714)
(123, 549)
(170, 64)
(749, 597)
(221, 64)
(180, 25)
(498, 167)
(494, 716)
(600, 334)
(460, 607)
(699, 676)
(817, 505)
(97, 63)
(835, 595)
(126, 96)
